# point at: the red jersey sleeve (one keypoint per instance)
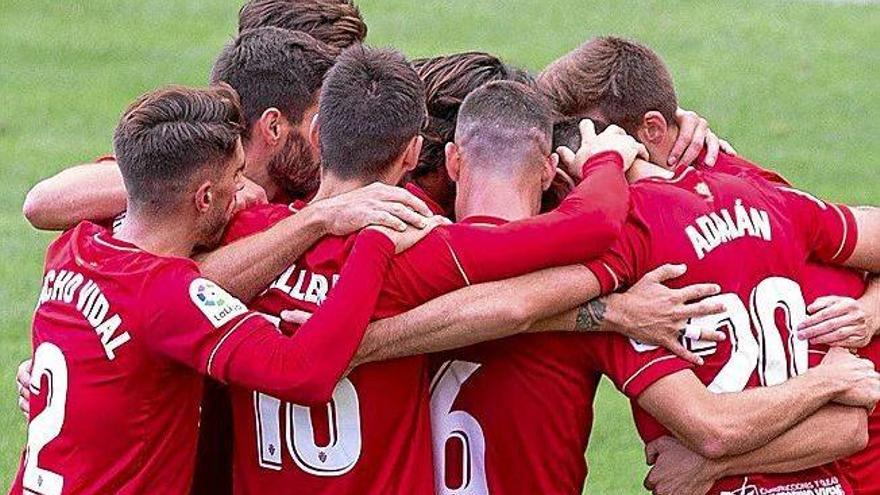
(632, 366)
(828, 230)
(584, 226)
(623, 264)
(199, 324)
(255, 219)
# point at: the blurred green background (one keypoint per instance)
(791, 84)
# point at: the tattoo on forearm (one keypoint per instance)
(591, 316)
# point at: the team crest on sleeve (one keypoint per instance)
(215, 303)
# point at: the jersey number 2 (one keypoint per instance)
(49, 362)
(336, 458)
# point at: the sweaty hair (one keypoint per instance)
(620, 79)
(168, 136)
(448, 80)
(502, 122)
(272, 67)
(372, 104)
(338, 23)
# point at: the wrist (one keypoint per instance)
(616, 318)
(316, 219)
(715, 469)
(820, 380)
(602, 158)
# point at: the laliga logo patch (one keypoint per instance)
(215, 303)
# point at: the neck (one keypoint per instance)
(495, 197)
(334, 186)
(257, 170)
(162, 235)
(642, 170)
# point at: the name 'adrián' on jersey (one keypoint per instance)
(66, 286)
(712, 230)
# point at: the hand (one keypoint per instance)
(860, 382)
(249, 195)
(23, 383)
(613, 138)
(411, 235)
(677, 470)
(838, 321)
(693, 135)
(376, 204)
(652, 313)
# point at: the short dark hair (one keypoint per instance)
(448, 80)
(567, 131)
(338, 23)
(505, 120)
(372, 104)
(169, 135)
(621, 78)
(271, 67)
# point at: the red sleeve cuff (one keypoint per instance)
(849, 236)
(603, 158)
(609, 281)
(250, 323)
(651, 372)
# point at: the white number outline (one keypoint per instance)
(49, 361)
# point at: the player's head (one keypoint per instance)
(278, 74)
(503, 135)
(619, 81)
(372, 107)
(448, 80)
(566, 132)
(338, 23)
(180, 154)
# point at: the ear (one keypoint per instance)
(549, 171)
(315, 133)
(412, 153)
(652, 131)
(204, 197)
(453, 161)
(270, 128)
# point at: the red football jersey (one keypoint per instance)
(374, 437)
(514, 416)
(754, 240)
(121, 339)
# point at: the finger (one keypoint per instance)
(821, 303)
(384, 192)
(820, 313)
(385, 219)
(699, 309)
(666, 272)
(828, 326)
(650, 482)
(726, 147)
(295, 316)
(697, 291)
(614, 129)
(642, 152)
(566, 155)
(687, 124)
(681, 351)
(652, 450)
(406, 214)
(588, 132)
(565, 177)
(697, 143)
(836, 336)
(712, 146)
(704, 334)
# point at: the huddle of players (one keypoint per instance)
(506, 416)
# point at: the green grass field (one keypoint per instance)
(791, 84)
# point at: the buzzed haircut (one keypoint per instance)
(448, 80)
(338, 23)
(168, 136)
(372, 104)
(504, 121)
(620, 79)
(271, 67)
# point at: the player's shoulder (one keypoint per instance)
(255, 219)
(738, 165)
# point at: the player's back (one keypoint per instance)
(107, 416)
(374, 437)
(751, 238)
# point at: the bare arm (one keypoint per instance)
(866, 255)
(720, 425)
(833, 432)
(547, 300)
(247, 266)
(92, 191)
